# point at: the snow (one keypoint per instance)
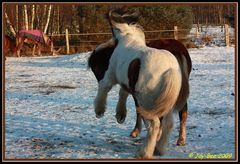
(215, 34)
(49, 110)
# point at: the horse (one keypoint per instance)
(9, 45)
(99, 61)
(36, 38)
(152, 76)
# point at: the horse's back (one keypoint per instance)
(175, 47)
(153, 65)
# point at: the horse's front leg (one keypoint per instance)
(121, 110)
(104, 86)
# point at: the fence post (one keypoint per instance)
(226, 35)
(175, 32)
(197, 32)
(67, 41)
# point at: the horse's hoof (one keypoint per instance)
(143, 158)
(135, 133)
(181, 142)
(99, 115)
(120, 119)
(142, 155)
(159, 152)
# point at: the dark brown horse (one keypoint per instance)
(9, 45)
(99, 61)
(36, 38)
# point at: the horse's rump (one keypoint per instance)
(169, 91)
(184, 60)
(34, 35)
(9, 44)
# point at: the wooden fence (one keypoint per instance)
(90, 40)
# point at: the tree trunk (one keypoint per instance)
(48, 19)
(16, 27)
(10, 24)
(26, 17)
(220, 13)
(33, 16)
(42, 16)
(58, 20)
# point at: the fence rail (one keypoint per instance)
(95, 38)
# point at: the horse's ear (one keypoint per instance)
(131, 17)
(115, 16)
(123, 15)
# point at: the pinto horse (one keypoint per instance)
(99, 62)
(37, 38)
(152, 76)
(9, 45)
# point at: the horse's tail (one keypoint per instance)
(169, 88)
(184, 92)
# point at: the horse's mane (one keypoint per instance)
(129, 29)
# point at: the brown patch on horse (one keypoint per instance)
(99, 60)
(133, 72)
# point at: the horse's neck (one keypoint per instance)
(133, 42)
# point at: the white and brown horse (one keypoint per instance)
(36, 38)
(151, 75)
(99, 61)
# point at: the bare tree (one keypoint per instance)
(16, 27)
(33, 16)
(58, 19)
(220, 13)
(10, 24)
(48, 19)
(26, 17)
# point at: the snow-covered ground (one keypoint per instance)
(49, 110)
(214, 34)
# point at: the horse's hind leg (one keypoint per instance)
(152, 136)
(121, 110)
(182, 132)
(18, 49)
(138, 126)
(167, 125)
(34, 48)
